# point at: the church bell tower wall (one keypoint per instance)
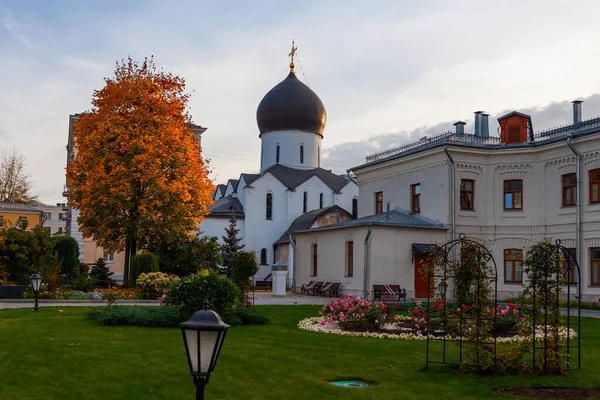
(297, 149)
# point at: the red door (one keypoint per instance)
(421, 263)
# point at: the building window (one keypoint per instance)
(355, 207)
(321, 200)
(60, 230)
(263, 257)
(277, 154)
(313, 271)
(1, 221)
(378, 202)
(23, 221)
(305, 202)
(570, 266)
(108, 256)
(513, 195)
(513, 271)
(595, 265)
(48, 216)
(61, 217)
(595, 186)
(467, 194)
(569, 185)
(415, 198)
(269, 211)
(301, 154)
(350, 258)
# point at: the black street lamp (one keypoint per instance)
(203, 335)
(36, 283)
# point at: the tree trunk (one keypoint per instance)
(127, 259)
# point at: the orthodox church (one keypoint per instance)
(291, 192)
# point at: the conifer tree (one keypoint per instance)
(102, 273)
(231, 241)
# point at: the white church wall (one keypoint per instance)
(289, 149)
(261, 232)
(215, 226)
(241, 193)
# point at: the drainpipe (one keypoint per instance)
(366, 269)
(350, 176)
(453, 191)
(577, 201)
(293, 261)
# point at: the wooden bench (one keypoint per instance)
(388, 290)
(306, 287)
(331, 288)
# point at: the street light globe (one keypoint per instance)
(36, 282)
(203, 335)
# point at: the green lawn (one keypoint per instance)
(54, 355)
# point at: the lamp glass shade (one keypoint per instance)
(203, 349)
(36, 282)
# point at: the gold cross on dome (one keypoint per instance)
(292, 54)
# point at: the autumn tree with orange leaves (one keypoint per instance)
(138, 177)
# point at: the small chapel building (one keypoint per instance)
(291, 191)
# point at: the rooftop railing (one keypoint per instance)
(480, 141)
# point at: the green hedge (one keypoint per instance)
(142, 264)
(166, 317)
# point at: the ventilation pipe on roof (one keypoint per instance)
(485, 125)
(367, 258)
(478, 123)
(577, 111)
(577, 202)
(460, 127)
(387, 212)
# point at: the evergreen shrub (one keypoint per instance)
(143, 263)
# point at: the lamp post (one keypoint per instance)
(203, 336)
(36, 283)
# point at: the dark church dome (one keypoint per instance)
(291, 105)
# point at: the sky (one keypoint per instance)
(388, 72)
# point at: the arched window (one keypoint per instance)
(269, 211)
(354, 207)
(263, 257)
(305, 201)
(277, 154)
(321, 200)
(302, 154)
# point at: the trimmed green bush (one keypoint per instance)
(166, 317)
(163, 317)
(191, 291)
(67, 251)
(142, 264)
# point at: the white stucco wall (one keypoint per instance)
(289, 149)
(543, 216)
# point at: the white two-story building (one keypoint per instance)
(509, 191)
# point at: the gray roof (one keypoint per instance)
(234, 184)
(247, 178)
(16, 207)
(304, 222)
(220, 189)
(397, 218)
(224, 207)
(292, 178)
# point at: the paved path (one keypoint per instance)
(259, 299)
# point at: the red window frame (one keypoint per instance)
(415, 198)
(378, 202)
(315, 258)
(512, 256)
(464, 194)
(513, 193)
(595, 184)
(569, 190)
(350, 258)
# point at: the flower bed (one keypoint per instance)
(397, 331)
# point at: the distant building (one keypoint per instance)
(54, 217)
(12, 214)
(509, 191)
